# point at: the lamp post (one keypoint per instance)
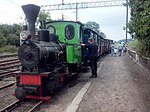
(127, 3)
(76, 11)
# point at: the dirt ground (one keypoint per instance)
(122, 86)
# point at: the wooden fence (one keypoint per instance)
(142, 60)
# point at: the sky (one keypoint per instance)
(111, 19)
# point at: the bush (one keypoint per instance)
(8, 49)
(133, 44)
(12, 39)
(3, 41)
(140, 46)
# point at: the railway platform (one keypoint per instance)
(122, 86)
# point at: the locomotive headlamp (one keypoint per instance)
(24, 35)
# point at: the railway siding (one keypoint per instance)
(9, 63)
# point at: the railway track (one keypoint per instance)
(7, 85)
(17, 104)
(8, 65)
(7, 73)
(8, 55)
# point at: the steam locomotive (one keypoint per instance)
(52, 54)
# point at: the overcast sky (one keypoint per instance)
(111, 19)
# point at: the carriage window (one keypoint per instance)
(69, 32)
(51, 30)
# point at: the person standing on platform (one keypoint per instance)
(93, 55)
(120, 49)
(112, 49)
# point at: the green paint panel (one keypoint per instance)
(70, 54)
(73, 54)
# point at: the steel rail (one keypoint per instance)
(9, 62)
(33, 108)
(17, 103)
(2, 72)
(11, 66)
(3, 61)
(11, 106)
(8, 74)
(7, 85)
(8, 55)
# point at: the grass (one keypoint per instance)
(8, 49)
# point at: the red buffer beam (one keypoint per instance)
(83, 5)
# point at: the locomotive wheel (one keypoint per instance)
(20, 93)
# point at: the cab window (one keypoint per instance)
(51, 30)
(69, 32)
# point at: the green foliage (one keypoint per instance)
(134, 45)
(93, 25)
(9, 34)
(4, 29)
(102, 34)
(139, 25)
(44, 16)
(137, 46)
(145, 46)
(3, 41)
(8, 49)
(16, 29)
(12, 39)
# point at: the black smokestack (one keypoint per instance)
(31, 11)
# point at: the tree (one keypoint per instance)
(93, 25)
(2, 41)
(16, 29)
(9, 34)
(12, 39)
(139, 25)
(5, 29)
(44, 16)
(102, 34)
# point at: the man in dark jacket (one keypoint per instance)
(93, 55)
